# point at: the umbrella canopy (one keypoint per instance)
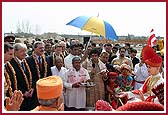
(94, 25)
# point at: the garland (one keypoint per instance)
(53, 57)
(37, 66)
(8, 78)
(28, 83)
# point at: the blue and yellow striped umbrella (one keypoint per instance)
(94, 25)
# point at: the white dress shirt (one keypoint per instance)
(68, 61)
(141, 74)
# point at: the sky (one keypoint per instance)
(137, 18)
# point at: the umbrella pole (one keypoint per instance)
(89, 41)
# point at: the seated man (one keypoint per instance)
(154, 84)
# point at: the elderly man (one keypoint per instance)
(58, 68)
(49, 93)
(64, 51)
(75, 95)
(22, 76)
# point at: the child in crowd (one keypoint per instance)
(125, 79)
(112, 88)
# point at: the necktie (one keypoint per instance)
(23, 67)
(39, 62)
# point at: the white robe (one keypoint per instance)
(75, 97)
(141, 74)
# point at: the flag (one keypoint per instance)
(151, 39)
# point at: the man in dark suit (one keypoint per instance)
(38, 66)
(134, 59)
(57, 53)
(23, 79)
(108, 48)
(37, 62)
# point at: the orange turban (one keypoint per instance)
(150, 57)
(49, 87)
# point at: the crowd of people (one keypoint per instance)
(71, 76)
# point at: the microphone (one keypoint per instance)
(93, 65)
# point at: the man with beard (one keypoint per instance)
(122, 59)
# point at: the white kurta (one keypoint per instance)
(141, 74)
(60, 73)
(68, 61)
(75, 97)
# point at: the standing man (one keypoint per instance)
(57, 53)
(8, 52)
(15, 98)
(64, 46)
(23, 75)
(58, 69)
(37, 62)
(75, 96)
(127, 47)
(122, 58)
(47, 51)
(134, 59)
(74, 49)
(108, 48)
(104, 56)
(141, 74)
(38, 66)
(97, 71)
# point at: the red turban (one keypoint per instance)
(150, 57)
